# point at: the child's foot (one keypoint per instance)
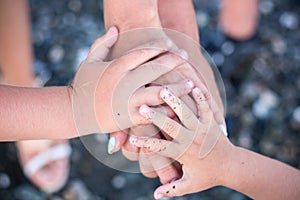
(238, 19)
(45, 163)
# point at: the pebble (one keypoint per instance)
(4, 181)
(218, 58)
(42, 73)
(202, 19)
(289, 20)
(81, 55)
(227, 48)
(296, 114)
(75, 5)
(118, 181)
(266, 102)
(266, 7)
(69, 19)
(278, 45)
(56, 53)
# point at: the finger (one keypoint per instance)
(145, 164)
(144, 53)
(190, 103)
(164, 168)
(130, 151)
(186, 116)
(151, 70)
(162, 147)
(204, 111)
(163, 122)
(218, 115)
(176, 188)
(162, 165)
(150, 95)
(100, 48)
(116, 141)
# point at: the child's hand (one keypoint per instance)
(106, 95)
(199, 144)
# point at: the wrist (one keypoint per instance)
(227, 160)
(232, 178)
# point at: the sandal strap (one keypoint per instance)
(42, 159)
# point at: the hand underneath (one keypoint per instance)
(106, 95)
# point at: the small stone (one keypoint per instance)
(202, 19)
(266, 7)
(56, 53)
(75, 5)
(296, 114)
(289, 20)
(278, 45)
(4, 181)
(69, 19)
(218, 58)
(227, 48)
(118, 181)
(265, 103)
(80, 56)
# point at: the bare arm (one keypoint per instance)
(261, 177)
(179, 15)
(225, 164)
(35, 113)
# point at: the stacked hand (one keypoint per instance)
(198, 143)
(113, 105)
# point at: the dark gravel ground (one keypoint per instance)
(261, 77)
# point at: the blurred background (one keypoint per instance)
(261, 78)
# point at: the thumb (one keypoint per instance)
(116, 141)
(100, 48)
(175, 188)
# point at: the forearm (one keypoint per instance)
(261, 177)
(179, 15)
(35, 113)
(16, 55)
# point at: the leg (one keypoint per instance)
(16, 61)
(238, 19)
(179, 15)
(15, 50)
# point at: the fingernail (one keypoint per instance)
(144, 109)
(183, 54)
(196, 91)
(224, 130)
(158, 196)
(189, 84)
(164, 93)
(111, 145)
(169, 43)
(132, 139)
(112, 31)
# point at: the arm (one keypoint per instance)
(35, 113)
(179, 15)
(261, 177)
(52, 111)
(209, 159)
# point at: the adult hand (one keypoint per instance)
(106, 95)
